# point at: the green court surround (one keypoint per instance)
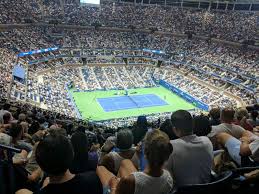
(91, 110)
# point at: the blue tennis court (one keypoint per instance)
(130, 102)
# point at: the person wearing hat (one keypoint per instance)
(122, 151)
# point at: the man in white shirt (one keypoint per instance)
(192, 157)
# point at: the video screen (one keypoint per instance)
(94, 2)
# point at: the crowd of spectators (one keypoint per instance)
(6, 66)
(51, 88)
(60, 154)
(230, 25)
(198, 58)
(157, 153)
(125, 77)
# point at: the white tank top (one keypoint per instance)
(118, 159)
(145, 184)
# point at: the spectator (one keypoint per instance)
(227, 126)
(214, 116)
(254, 120)
(124, 151)
(154, 179)
(167, 127)
(7, 118)
(22, 117)
(183, 163)
(17, 134)
(35, 127)
(241, 119)
(5, 109)
(81, 162)
(140, 129)
(25, 127)
(201, 125)
(60, 131)
(54, 154)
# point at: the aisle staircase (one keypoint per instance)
(107, 78)
(118, 77)
(95, 78)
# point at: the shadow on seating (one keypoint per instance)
(248, 162)
(7, 171)
(242, 184)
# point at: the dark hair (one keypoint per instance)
(167, 127)
(142, 122)
(35, 126)
(69, 127)
(42, 120)
(6, 106)
(81, 128)
(60, 131)
(182, 120)
(215, 113)
(54, 154)
(7, 117)
(201, 125)
(227, 114)
(15, 130)
(80, 144)
(124, 139)
(140, 129)
(254, 115)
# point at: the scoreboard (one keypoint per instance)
(90, 2)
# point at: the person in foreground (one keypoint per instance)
(54, 154)
(81, 162)
(192, 158)
(154, 179)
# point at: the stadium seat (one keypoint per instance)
(247, 162)
(3, 181)
(221, 184)
(242, 184)
(7, 185)
(12, 177)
